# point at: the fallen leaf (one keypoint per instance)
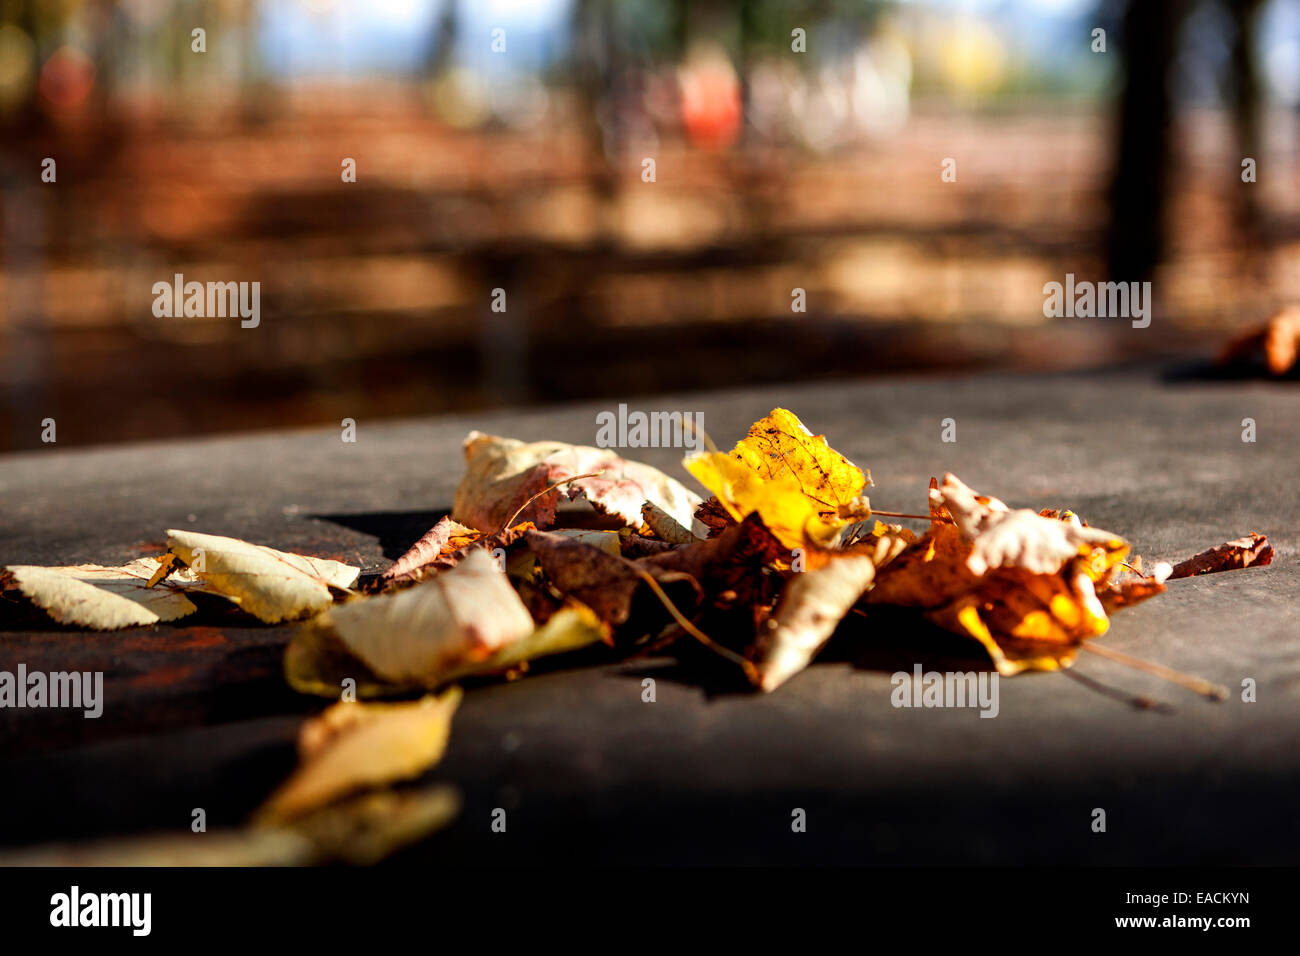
(317, 662)
(604, 582)
(271, 585)
(445, 536)
(730, 566)
(503, 474)
(712, 516)
(811, 607)
(1022, 584)
(367, 828)
(1250, 551)
(1129, 586)
(353, 746)
(1277, 343)
(571, 628)
(665, 526)
(1024, 539)
(420, 635)
(101, 598)
(804, 490)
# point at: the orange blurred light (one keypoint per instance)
(711, 105)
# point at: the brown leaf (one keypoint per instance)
(604, 582)
(729, 566)
(1277, 343)
(1253, 550)
(458, 548)
(713, 516)
(447, 535)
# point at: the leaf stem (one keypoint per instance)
(1197, 684)
(546, 491)
(695, 632)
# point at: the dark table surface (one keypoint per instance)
(199, 715)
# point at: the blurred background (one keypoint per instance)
(796, 145)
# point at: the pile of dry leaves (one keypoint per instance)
(762, 573)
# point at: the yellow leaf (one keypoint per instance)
(354, 746)
(803, 489)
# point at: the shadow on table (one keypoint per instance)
(394, 530)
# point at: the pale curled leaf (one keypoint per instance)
(502, 474)
(811, 607)
(1002, 538)
(572, 627)
(101, 598)
(353, 746)
(269, 584)
(420, 635)
(317, 662)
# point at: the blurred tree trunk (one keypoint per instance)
(1245, 108)
(442, 49)
(1140, 183)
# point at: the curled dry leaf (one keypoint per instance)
(102, 598)
(729, 566)
(503, 474)
(712, 518)
(665, 526)
(448, 535)
(271, 585)
(1129, 586)
(811, 607)
(1022, 584)
(604, 582)
(354, 746)
(317, 662)
(804, 490)
(1277, 343)
(1025, 539)
(1250, 551)
(421, 635)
